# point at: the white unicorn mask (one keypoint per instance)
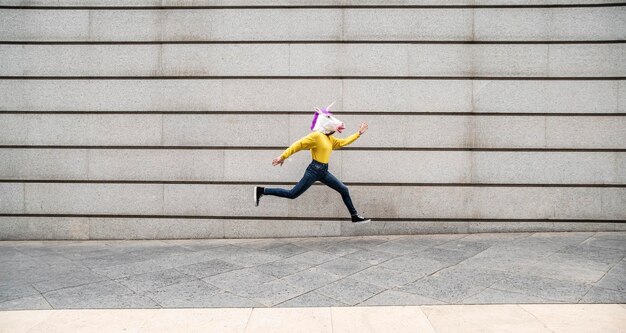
(325, 122)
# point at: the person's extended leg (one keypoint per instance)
(307, 180)
(340, 187)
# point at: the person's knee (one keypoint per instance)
(344, 190)
(293, 194)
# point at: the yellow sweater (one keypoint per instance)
(320, 144)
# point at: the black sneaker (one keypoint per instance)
(258, 193)
(359, 219)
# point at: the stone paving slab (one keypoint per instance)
(535, 268)
(541, 318)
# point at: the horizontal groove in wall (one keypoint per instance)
(615, 4)
(285, 218)
(583, 150)
(364, 113)
(312, 42)
(238, 183)
(294, 77)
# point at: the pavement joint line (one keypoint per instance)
(587, 292)
(248, 320)
(365, 300)
(594, 233)
(533, 315)
(520, 293)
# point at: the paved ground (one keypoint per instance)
(526, 318)
(322, 272)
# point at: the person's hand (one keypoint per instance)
(362, 128)
(278, 161)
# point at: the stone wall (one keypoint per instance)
(155, 119)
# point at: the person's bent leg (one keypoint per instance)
(307, 180)
(340, 187)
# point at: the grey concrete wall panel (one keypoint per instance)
(501, 24)
(87, 60)
(406, 95)
(404, 228)
(147, 228)
(452, 60)
(80, 129)
(615, 197)
(483, 96)
(406, 167)
(226, 130)
(509, 60)
(81, 3)
(256, 130)
(582, 227)
(583, 23)
(595, 132)
(280, 228)
(119, 199)
(44, 24)
(184, 3)
(511, 132)
(548, 24)
(546, 96)
(320, 201)
(255, 166)
(487, 226)
(536, 2)
(489, 202)
(515, 96)
(483, 167)
(235, 59)
(547, 168)
(348, 59)
(43, 164)
(217, 200)
(403, 24)
(575, 60)
(274, 24)
(12, 197)
(48, 228)
(131, 25)
(314, 24)
(280, 95)
(95, 95)
(156, 164)
(621, 100)
(144, 60)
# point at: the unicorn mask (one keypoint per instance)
(325, 122)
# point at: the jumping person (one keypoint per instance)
(321, 143)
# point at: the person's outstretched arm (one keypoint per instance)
(307, 142)
(338, 143)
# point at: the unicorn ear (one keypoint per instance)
(317, 110)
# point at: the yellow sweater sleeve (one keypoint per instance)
(338, 143)
(308, 142)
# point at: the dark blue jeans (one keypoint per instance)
(314, 172)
